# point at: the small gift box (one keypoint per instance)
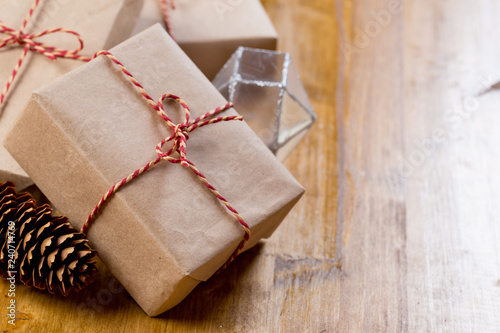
(100, 24)
(210, 31)
(265, 88)
(173, 224)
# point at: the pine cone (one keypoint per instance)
(44, 251)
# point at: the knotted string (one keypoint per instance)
(176, 154)
(165, 8)
(28, 42)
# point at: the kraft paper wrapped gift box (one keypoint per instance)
(165, 232)
(101, 24)
(211, 31)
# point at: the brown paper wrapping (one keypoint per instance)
(211, 31)
(101, 23)
(165, 232)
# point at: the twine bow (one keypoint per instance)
(176, 154)
(28, 42)
(166, 5)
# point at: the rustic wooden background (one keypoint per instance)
(399, 230)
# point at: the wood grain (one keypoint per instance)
(399, 229)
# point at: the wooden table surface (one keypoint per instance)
(399, 229)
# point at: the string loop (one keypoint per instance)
(18, 38)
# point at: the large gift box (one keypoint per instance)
(211, 31)
(164, 232)
(101, 24)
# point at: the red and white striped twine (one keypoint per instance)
(165, 8)
(28, 41)
(180, 136)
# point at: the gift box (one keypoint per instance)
(101, 24)
(211, 31)
(265, 88)
(165, 231)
